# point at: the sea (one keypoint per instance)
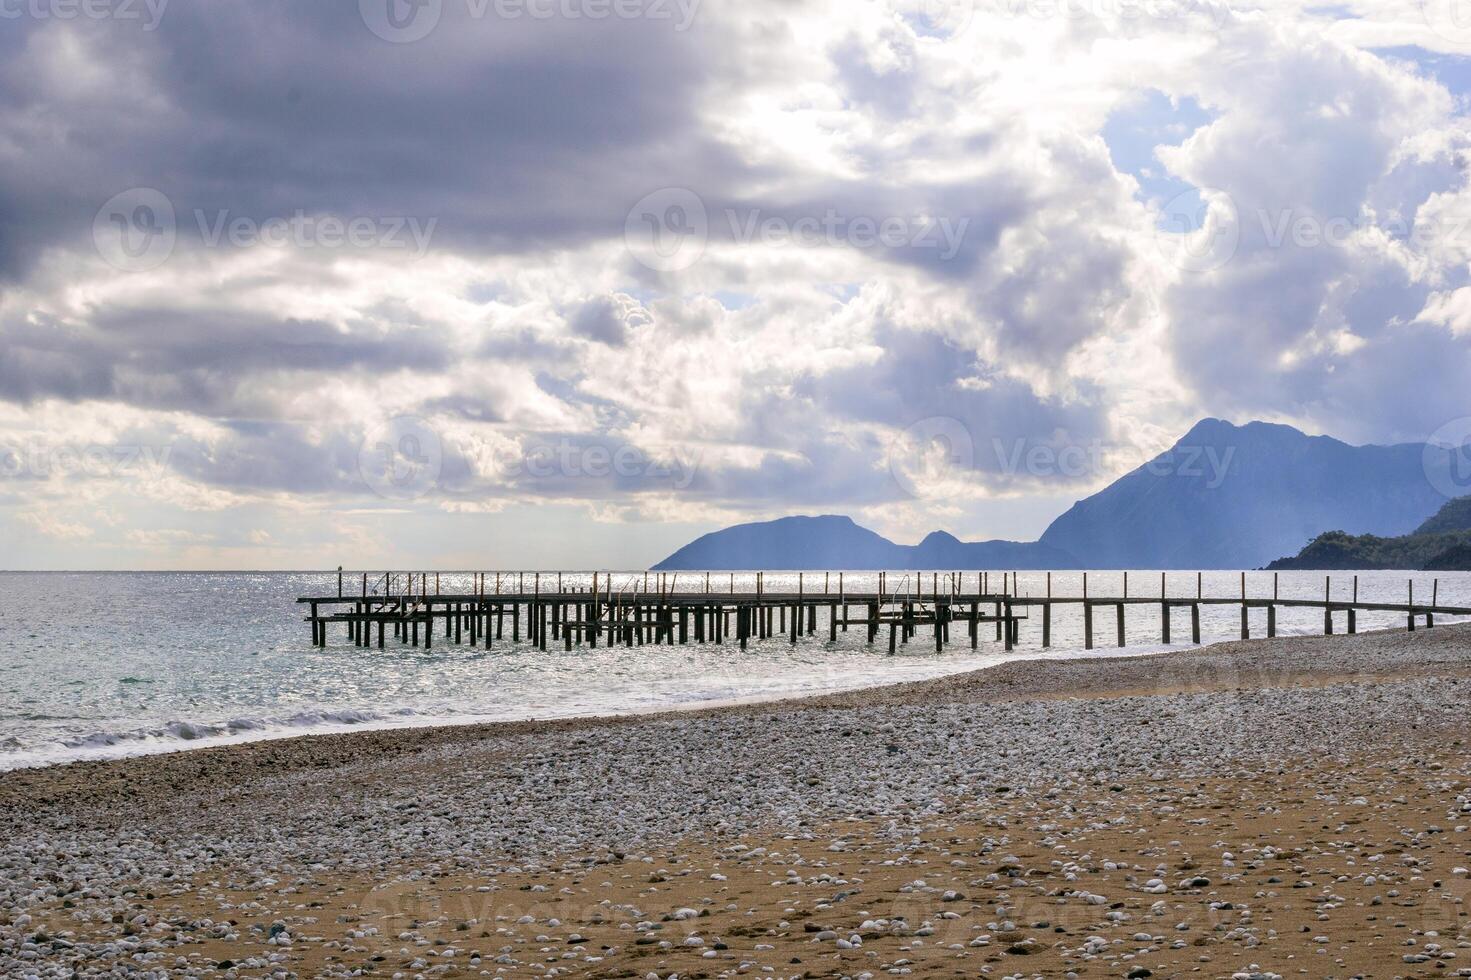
(98, 665)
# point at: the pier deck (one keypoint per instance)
(411, 608)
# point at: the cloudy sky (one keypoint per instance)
(536, 283)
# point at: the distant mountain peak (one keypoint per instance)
(1225, 496)
(1237, 496)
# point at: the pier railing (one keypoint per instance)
(585, 608)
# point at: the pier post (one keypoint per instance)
(1245, 622)
(1047, 622)
(1087, 625)
(1272, 621)
(1164, 623)
(1353, 620)
(1121, 620)
(1195, 622)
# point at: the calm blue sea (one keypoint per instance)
(105, 664)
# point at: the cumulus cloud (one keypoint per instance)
(638, 272)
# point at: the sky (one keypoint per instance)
(566, 283)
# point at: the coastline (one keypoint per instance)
(384, 825)
(1059, 674)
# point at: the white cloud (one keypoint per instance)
(776, 369)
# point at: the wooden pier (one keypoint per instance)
(669, 608)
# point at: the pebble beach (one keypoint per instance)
(1287, 807)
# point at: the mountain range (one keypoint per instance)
(1224, 496)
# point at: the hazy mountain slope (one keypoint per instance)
(1230, 496)
(835, 542)
(1225, 496)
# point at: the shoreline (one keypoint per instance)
(1234, 804)
(1209, 667)
(132, 745)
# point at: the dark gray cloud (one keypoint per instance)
(514, 134)
(199, 361)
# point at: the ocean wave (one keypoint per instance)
(178, 734)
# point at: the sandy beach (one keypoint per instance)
(1289, 807)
